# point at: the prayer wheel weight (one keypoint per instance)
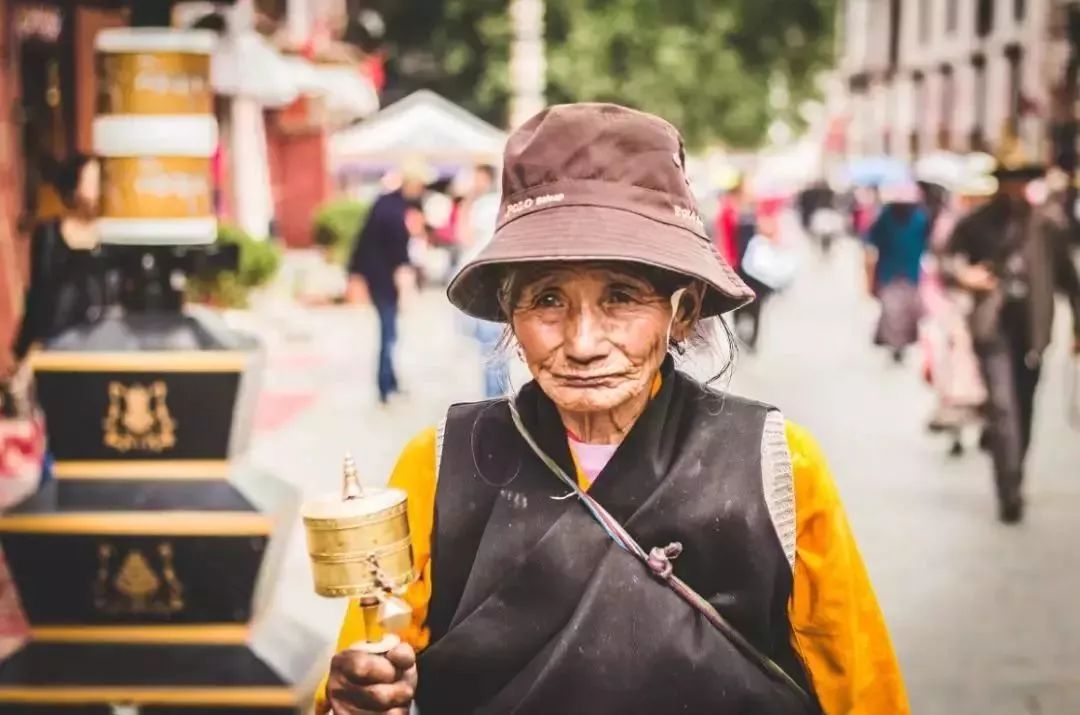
(360, 548)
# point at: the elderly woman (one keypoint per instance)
(617, 537)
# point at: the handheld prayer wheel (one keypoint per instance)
(359, 547)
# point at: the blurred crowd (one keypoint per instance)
(965, 256)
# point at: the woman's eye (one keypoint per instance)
(622, 295)
(548, 299)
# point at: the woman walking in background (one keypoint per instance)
(766, 266)
(67, 275)
(894, 249)
(951, 366)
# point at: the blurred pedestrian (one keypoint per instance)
(380, 263)
(950, 363)
(482, 212)
(894, 249)
(864, 210)
(67, 273)
(1011, 256)
(819, 215)
(766, 266)
(733, 220)
(479, 209)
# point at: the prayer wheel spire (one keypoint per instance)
(350, 488)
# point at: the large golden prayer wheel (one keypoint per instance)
(156, 135)
(359, 547)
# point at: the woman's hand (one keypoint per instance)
(360, 682)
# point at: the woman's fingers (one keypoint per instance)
(362, 682)
(363, 668)
(383, 697)
(402, 656)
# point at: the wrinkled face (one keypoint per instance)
(593, 337)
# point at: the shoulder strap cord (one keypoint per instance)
(658, 560)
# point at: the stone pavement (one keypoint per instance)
(982, 615)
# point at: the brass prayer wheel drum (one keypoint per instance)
(359, 545)
(152, 71)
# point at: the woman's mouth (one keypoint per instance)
(587, 380)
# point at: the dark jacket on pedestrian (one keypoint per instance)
(66, 288)
(999, 230)
(382, 247)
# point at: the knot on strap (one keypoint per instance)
(660, 559)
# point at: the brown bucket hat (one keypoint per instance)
(596, 182)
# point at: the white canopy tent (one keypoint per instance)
(423, 125)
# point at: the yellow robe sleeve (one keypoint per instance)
(415, 475)
(837, 626)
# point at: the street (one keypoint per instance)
(981, 614)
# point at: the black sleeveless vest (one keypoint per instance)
(536, 611)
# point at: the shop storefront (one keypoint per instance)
(47, 95)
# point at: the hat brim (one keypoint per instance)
(595, 233)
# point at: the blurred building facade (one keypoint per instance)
(47, 94)
(957, 75)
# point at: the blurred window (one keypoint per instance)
(984, 17)
(926, 10)
(1015, 56)
(952, 15)
(1019, 10)
(895, 19)
(978, 136)
(948, 101)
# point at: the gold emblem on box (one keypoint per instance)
(136, 586)
(138, 418)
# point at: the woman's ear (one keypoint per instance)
(688, 311)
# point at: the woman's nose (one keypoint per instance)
(586, 340)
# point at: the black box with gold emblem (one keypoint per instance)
(146, 567)
(176, 394)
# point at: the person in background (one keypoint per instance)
(481, 216)
(67, 285)
(864, 208)
(1011, 256)
(819, 215)
(67, 274)
(894, 249)
(951, 366)
(381, 267)
(730, 223)
(764, 226)
(479, 209)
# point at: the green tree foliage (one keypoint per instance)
(704, 64)
(337, 225)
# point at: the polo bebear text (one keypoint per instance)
(689, 215)
(526, 204)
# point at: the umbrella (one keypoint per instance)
(877, 170)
